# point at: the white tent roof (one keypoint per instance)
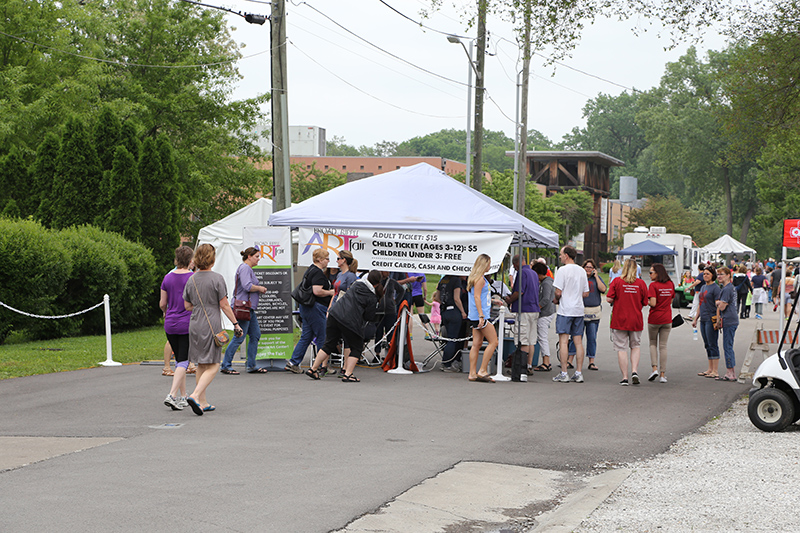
(728, 245)
(419, 197)
(226, 237)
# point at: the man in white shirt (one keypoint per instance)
(572, 287)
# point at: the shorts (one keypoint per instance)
(626, 339)
(334, 332)
(527, 325)
(418, 301)
(569, 325)
(180, 346)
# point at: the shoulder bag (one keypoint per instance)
(241, 308)
(303, 294)
(221, 338)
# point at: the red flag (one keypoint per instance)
(791, 233)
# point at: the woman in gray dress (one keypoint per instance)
(205, 296)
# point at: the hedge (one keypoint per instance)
(48, 272)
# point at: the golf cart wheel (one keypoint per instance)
(676, 301)
(770, 409)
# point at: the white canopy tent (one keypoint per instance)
(419, 197)
(728, 245)
(226, 237)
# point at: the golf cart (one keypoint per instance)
(775, 397)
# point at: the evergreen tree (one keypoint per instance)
(125, 193)
(129, 138)
(107, 135)
(43, 175)
(15, 181)
(152, 214)
(171, 196)
(76, 187)
(10, 210)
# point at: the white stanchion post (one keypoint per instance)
(501, 337)
(109, 360)
(401, 346)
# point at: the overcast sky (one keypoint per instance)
(342, 83)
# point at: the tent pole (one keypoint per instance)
(501, 322)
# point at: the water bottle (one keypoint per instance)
(694, 334)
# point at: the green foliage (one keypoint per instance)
(311, 182)
(125, 195)
(538, 209)
(107, 135)
(337, 146)
(15, 181)
(47, 272)
(34, 267)
(77, 182)
(43, 174)
(670, 213)
(575, 210)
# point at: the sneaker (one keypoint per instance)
(328, 372)
(577, 377)
(663, 379)
(169, 401)
(759, 317)
(529, 371)
(635, 378)
(561, 378)
(624, 382)
(182, 402)
(653, 376)
(294, 369)
(451, 369)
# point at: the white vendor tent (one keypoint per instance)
(420, 197)
(727, 245)
(226, 237)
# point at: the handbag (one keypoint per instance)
(302, 294)
(221, 338)
(677, 320)
(241, 308)
(717, 320)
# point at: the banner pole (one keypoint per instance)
(501, 336)
(401, 343)
(782, 287)
(107, 308)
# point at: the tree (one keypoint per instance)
(159, 199)
(311, 182)
(15, 182)
(668, 211)
(77, 182)
(43, 176)
(125, 189)
(575, 210)
(107, 136)
(337, 146)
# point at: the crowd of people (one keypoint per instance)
(348, 307)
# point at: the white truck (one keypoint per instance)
(688, 258)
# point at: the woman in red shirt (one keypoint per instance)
(628, 295)
(659, 321)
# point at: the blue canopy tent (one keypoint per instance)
(647, 247)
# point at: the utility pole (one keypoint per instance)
(477, 166)
(522, 161)
(281, 179)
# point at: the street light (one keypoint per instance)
(455, 40)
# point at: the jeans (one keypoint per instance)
(728, 333)
(313, 327)
(451, 321)
(710, 338)
(251, 329)
(590, 334)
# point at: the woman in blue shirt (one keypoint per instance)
(708, 296)
(479, 306)
(730, 321)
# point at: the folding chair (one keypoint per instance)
(436, 339)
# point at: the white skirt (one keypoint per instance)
(759, 296)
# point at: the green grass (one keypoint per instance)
(18, 358)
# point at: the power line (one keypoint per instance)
(384, 51)
(359, 89)
(420, 24)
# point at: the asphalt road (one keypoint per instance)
(285, 453)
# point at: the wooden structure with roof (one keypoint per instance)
(559, 171)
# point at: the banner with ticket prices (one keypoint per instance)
(273, 271)
(430, 252)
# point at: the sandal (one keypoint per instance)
(592, 366)
(229, 371)
(313, 374)
(350, 379)
(167, 372)
(543, 368)
(258, 371)
(192, 370)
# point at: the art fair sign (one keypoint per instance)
(273, 271)
(430, 252)
(791, 233)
